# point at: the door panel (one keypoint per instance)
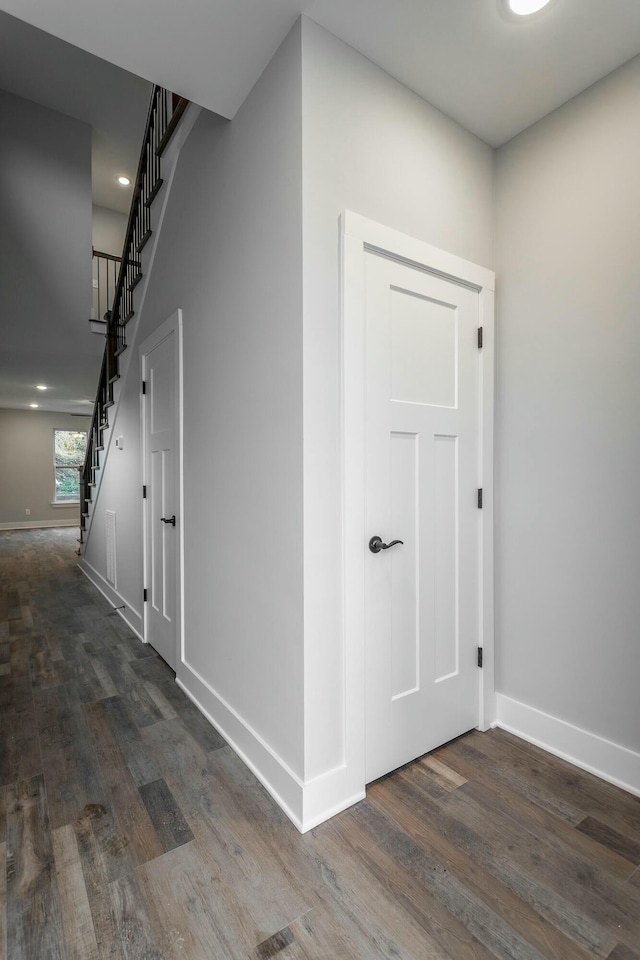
(423, 349)
(421, 479)
(405, 647)
(162, 497)
(445, 543)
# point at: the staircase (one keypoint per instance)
(165, 111)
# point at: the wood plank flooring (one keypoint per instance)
(129, 830)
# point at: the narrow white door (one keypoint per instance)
(161, 481)
(422, 603)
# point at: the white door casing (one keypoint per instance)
(415, 450)
(160, 361)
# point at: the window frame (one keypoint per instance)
(55, 501)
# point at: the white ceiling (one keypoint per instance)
(494, 75)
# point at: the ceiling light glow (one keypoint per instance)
(34, 405)
(124, 181)
(523, 8)
(40, 386)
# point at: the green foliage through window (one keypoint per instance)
(68, 454)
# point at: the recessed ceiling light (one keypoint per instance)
(525, 7)
(34, 405)
(124, 181)
(41, 386)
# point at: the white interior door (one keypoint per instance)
(159, 364)
(422, 596)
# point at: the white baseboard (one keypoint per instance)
(605, 759)
(274, 774)
(327, 795)
(38, 524)
(306, 804)
(133, 618)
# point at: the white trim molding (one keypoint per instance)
(38, 524)
(123, 608)
(305, 803)
(274, 774)
(605, 759)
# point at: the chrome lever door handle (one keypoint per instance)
(376, 544)
(171, 520)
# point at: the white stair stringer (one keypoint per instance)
(169, 163)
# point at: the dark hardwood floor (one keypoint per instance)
(129, 830)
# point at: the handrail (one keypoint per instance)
(165, 111)
(180, 104)
(105, 256)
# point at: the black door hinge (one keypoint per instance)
(479, 498)
(479, 656)
(144, 595)
(144, 491)
(479, 338)
(144, 387)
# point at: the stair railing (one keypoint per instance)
(105, 281)
(165, 111)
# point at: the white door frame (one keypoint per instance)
(172, 325)
(359, 235)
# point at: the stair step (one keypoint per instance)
(134, 283)
(119, 351)
(131, 313)
(144, 241)
(112, 379)
(154, 192)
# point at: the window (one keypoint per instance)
(68, 454)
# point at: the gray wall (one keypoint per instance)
(45, 250)
(247, 199)
(26, 467)
(108, 230)
(249, 251)
(230, 256)
(568, 408)
(371, 146)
